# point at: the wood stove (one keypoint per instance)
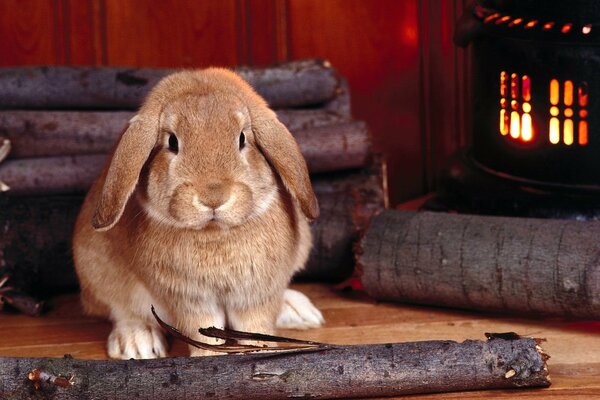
(535, 111)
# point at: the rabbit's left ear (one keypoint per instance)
(127, 161)
(281, 150)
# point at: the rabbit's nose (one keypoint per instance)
(214, 194)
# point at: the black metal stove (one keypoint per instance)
(536, 111)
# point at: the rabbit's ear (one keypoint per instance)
(127, 161)
(281, 150)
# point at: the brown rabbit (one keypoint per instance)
(201, 211)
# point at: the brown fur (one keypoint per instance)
(145, 234)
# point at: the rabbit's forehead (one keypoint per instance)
(204, 112)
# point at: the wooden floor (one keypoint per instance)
(352, 318)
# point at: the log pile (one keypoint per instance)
(61, 122)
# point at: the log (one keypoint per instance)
(325, 148)
(347, 204)
(330, 373)
(292, 84)
(523, 265)
(335, 147)
(35, 245)
(36, 240)
(51, 175)
(61, 133)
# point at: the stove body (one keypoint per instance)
(536, 111)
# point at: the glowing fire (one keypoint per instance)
(519, 126)
(568, 114)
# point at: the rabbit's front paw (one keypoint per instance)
(135, 339)
(298, 312)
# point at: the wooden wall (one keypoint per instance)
(406, 77)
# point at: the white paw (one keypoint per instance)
(298, 312)
(135, 339)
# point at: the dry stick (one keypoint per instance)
(326, 148)
(293, 84)
(36, 232)
(335, 372)
(535, 266)
(59, 133)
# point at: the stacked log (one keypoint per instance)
(62, 122)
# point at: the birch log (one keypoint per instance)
(292, 84)
(65, 133)
(524, 265)
(338, 372)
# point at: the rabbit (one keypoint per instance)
(203, 211)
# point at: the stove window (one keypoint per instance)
(568, 104)
(516, 119)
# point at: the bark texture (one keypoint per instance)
(293, 84)
(524, 265)
(335, 372)
(60, 133)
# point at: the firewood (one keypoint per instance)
(60, 133)
(51, 175)
(35, 245)
(523, 265)
(347, 204)
(36, 239)
(325, 148)
(503, 361)
(293, 84)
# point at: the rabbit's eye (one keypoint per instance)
(173, 143)
(242, 140)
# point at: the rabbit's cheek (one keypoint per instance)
(184, 206)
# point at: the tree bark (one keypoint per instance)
(331, 373)
(293, 84)
(35, 245)
(524, 265)
(61, 133)
(325, 148)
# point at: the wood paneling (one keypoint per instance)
(376, 46)
(406, 76)
(31, 32)
(182, 33)
(443, 116)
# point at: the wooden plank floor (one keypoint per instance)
(352, 318)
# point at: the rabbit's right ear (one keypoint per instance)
(127, 161)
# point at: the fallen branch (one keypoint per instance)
(326, 148)
(524, 265)
(293, 84)
(332, 372)
(61, 133)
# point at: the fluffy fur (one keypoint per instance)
(210, 234)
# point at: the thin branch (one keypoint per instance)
(231, 338)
